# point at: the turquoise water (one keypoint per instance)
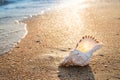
(13, 11)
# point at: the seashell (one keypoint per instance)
(82, 53)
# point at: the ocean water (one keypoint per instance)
(12, 11)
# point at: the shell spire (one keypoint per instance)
(86, 43)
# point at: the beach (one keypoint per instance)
(52, 35)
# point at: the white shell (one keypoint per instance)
(82, 53)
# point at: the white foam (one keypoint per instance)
(16, 21)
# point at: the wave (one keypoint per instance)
(5, 2)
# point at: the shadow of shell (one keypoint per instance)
(75, 73)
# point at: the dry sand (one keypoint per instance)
(51, 36)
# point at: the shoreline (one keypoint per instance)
(20, 22)
(13, 22)
(52, 35)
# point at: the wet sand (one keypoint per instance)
(52, 35)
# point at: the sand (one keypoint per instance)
(53, 35)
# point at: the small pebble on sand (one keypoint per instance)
(106, 65)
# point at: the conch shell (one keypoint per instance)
(81, 55)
